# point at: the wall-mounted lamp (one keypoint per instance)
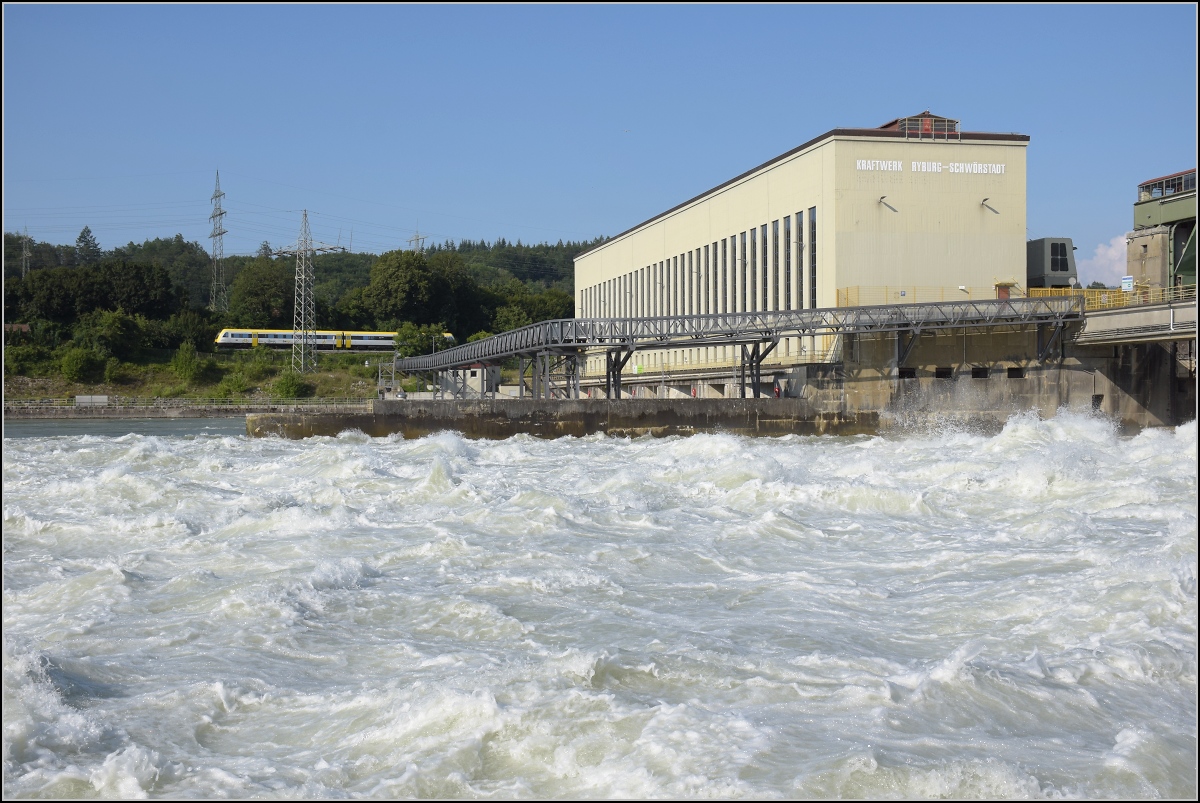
(885, 203)
(962, 287)
(986, 205)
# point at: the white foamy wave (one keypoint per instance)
(943, 613)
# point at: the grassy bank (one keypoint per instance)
(252, 375)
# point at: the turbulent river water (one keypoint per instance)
(192, 613)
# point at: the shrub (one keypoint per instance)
(21, 359)
(257, 363)
(290, 386)
(80, 365)
(233, 383)
(112, 371)
(185, 364)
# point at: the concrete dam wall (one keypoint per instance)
(976, 381)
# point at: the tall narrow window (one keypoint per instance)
(775, 265)
(733, 274)
(763, 270)
(799, 260)
(662, 287)
(812, 257)
(659, 289)
(674, 285)
(654, 288)
(691, 283)
(715, 278)
(752, 270)
(742, 274)
(666, 278)
(724, 275)
(787, 262)
(707, 283)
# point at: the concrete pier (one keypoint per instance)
(968, 379)
(502, 418)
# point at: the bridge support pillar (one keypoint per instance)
(615, 361)
(751, 365)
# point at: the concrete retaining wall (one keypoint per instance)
(964, 379)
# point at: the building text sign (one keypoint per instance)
(991, 168)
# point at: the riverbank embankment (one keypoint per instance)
(22, 410)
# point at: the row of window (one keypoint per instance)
(1167, 186)
(288, 336)
(742, 273)
(1058, 257)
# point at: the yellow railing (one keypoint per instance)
(859, 296)
(1113, 299)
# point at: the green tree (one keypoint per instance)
(191, 326)
(413, 340)
(511, 317)
(187, 265)
(550, 304)
(399, 288)
(138, 287)
(263, 295)
(110, 333)
(55, 294)
(87, 250)
(351, 311)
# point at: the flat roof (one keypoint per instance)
(1164, 178)
(878, 133)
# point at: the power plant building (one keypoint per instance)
(916, 210)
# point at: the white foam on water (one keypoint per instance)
(937, 614)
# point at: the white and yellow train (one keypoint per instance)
(326, 339)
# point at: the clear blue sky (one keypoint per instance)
(560, 122)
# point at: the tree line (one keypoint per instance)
(154, 295)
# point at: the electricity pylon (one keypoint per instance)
(304, 322)
(218, 297)
(25, 253)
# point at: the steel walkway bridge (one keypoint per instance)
(555, 348)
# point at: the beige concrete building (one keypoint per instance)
(915, 210)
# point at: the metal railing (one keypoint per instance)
(829, 351)
(1114, 299)
(862, 296)
(160, 403)
(577, 335)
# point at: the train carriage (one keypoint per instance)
(325, 339)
